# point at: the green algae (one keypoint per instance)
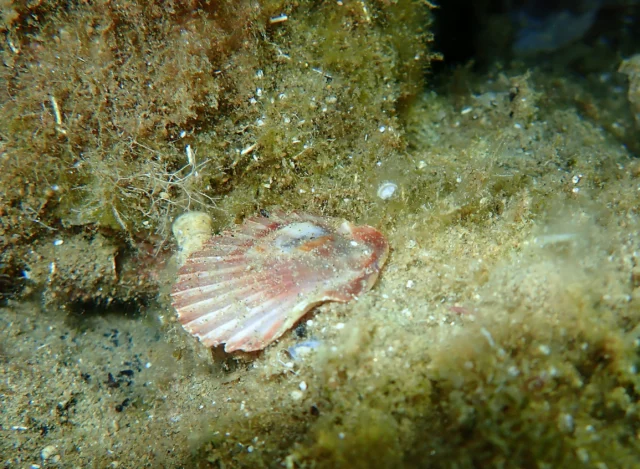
(135, 114)
(503, 331)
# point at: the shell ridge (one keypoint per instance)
(188, 281)
(296, 309)
(200, 322)
(265, 310)
(225, 333)
(194, 266)
(226, 286)
(209, 305)
(190, 287)
(254, 331)
(216, 335)
(238, 294)
(217, 316)
(249, 297)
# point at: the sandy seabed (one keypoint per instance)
(503, 330)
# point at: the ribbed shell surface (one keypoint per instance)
(249, 285)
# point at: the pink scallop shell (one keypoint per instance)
(249, 285)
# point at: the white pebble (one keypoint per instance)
(48, 451)
(278, 19)
(544, 349)
(583, 455)
(386, 190)
(410, 283)
(302, 386)
(566, 422)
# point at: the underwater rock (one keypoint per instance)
(92, 270)
(545, 29)
(631, 68)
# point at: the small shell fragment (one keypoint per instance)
(278, 19)
(386, 190)
(245, 287)
(191, 230)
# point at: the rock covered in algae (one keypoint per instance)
(631, 68)
(242, 99)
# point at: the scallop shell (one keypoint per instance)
(249, 285)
